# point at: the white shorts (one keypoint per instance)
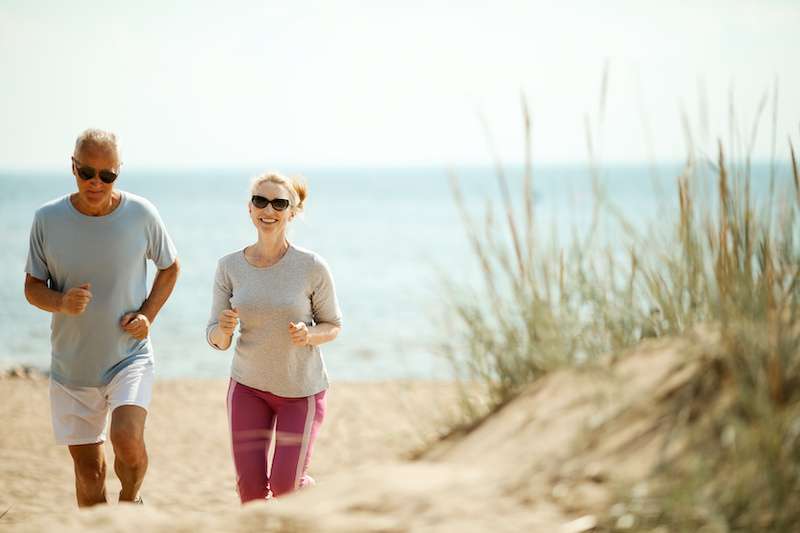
(80, 414)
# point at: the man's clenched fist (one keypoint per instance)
(76, 299)
(136, 325)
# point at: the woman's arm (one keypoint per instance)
(222, 333)
(218, 339)
(223, 319)
(322, 333)
(324, 309)
(302, 335)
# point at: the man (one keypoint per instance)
(87, 266)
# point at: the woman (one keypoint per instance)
(284, 300)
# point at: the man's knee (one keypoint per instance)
(127, 434)
(90, 472)
(128, 445)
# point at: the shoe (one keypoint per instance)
(137, 501)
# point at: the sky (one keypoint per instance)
(351, 83)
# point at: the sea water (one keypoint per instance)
(393, 238)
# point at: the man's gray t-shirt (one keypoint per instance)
(68, 249)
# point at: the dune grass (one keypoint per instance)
(736, 268)
(731, 263)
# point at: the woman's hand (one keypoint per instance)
(299, 334)
(228, 319)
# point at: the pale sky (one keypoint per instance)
(265, 84)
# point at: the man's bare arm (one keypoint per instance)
(163, 285)
(73, 302)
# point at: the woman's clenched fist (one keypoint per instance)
(299, 334)
(228, 319)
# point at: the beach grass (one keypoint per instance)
(729, 263)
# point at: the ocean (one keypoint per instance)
(391, 237)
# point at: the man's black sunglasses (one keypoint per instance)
(278, 204)
(87, 173)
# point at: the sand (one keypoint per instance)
(552, 460)
(187, 436)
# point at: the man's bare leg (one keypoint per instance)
(130, 455)
(90, 473)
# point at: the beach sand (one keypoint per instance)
(191, 469)
(552, 460)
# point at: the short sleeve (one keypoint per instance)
(324, 305)
(36, 265)
(160, 248)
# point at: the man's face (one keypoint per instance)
(94, 162)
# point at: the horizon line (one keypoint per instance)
(387, 166)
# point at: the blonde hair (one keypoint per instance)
(98, 140)
(297, 188)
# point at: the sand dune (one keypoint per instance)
(546, 462)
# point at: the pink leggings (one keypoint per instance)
(252, 413)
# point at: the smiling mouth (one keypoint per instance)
(268, 220)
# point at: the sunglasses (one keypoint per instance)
(87, 173)
(278, 204)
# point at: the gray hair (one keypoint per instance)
(98, 140)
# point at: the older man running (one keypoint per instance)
(87, 265)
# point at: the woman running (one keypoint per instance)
(283, 298)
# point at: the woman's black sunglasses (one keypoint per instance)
(87, 173)
(278, 204)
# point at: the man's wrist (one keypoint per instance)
(60, 302)
(150, 318)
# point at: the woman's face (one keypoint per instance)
(269, 220)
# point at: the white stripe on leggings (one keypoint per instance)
(311, 412)
(231, 388)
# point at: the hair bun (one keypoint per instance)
(301, 188)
